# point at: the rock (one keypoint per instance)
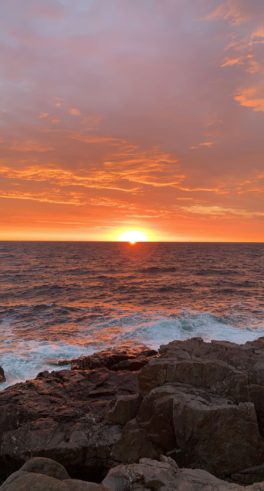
(146, 475)
(133, 444)
(49, 467)
(194, 390)
(247, 476)
(42, 474)
(76, 485)
(181, 421)
(121, 358)
(215, 376)
(164, 475)
(2, 375)
(63, 415)
(125, 409)
(200, 403)
(27, 481)
(215, 434)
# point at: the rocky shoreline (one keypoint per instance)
(188, 417)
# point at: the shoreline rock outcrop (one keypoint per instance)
(199, 404)
(65, 415)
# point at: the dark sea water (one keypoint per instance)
(62, 300)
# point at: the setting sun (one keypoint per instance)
(133, 236)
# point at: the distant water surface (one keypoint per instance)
(62, 300)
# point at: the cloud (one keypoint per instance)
(128, 168)
(232, 62)
(251, 97)
(74, 111)
(221, 211)
(237, 11)
(51, 198)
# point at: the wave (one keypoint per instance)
(23, 359)
(164, 329)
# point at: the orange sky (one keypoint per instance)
(143, 115)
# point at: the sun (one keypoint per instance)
(133, 236)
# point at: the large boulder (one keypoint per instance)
(203, 404)
(197, 428)
(213, 375)
(162, 475)
(41, 474)
(49, 467)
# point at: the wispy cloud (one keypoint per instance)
(213, 210)
(252, 97)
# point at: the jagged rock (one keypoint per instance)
(125, 409)
(133, 444)
(215, 376)
(200, 429)
(2, 375)
(194, 390)
(63, 415)
(122, 358)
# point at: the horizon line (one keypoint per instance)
(127, 242)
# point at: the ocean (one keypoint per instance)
(63, 300)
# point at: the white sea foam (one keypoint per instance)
(163, 329)
(24, 359)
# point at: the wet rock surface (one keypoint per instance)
(123, 358)
(198, 404)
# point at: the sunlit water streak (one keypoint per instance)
(62, 300)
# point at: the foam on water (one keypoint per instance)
(24, 359)
(162, 330)
(28, 358)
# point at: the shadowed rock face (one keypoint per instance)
(203, 404)
(2, 375)
(200, 403)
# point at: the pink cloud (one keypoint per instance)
(251, 97)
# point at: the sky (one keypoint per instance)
(120, 115)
